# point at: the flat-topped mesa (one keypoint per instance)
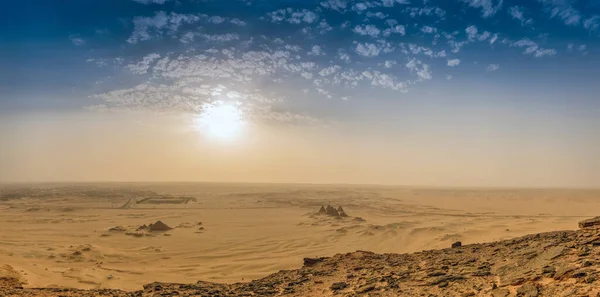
(590, 223)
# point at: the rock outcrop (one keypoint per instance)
(590, 223)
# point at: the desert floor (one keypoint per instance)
(250, 231)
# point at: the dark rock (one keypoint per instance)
(117, 229)
(365, 288)
(312, 261)
(338, 286)
(548, 270)
(457, 244)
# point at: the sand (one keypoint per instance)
(231, 233)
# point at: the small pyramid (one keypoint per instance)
(340, 211)
(158, 226)
(322, 210)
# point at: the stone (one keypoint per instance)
(457, 244)
(365, 288)
(500, 292)
(339, 286)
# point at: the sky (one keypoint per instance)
(407, 92)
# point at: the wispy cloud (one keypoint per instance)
(492, 67)
(151, 1)
(563, 10)
(76, 40)
(518, 13)
(488, 7)
(532, 48)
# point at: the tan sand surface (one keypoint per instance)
(250, 231)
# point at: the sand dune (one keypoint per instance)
(250, 231)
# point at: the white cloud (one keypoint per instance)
(324, 27)
(389, 63)
(142, 66)
(471, 32)
(379, 15)
(344, 56)
(316, 50)
(532, 47)
(545, 52)
(488, 7)
(428, 29)
(220, 37)
(329, 70)
(396, 29)
(293, 17)
(426, 11)
(391, 3)
(238, 22)
(592, 24)
(339, 5)
(76, 40)
(150, 1)
(418, 67)
(360, 7)
(146, 28)
(492, 67)
(563, 10)
(367, 49)
(483, 36)
(453, 62)
(518, 13)
(370, 30)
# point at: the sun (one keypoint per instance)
(221, 120)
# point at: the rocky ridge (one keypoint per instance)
(562, 263)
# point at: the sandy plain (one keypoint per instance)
(57, 235)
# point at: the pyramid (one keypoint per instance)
(331, 211)
(322, 210)
(341, 212)
(158, 226)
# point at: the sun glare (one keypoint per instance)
(221, 120)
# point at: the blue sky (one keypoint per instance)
(480, 66)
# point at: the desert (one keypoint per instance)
(98, 236)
